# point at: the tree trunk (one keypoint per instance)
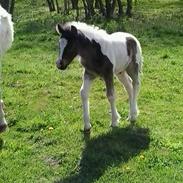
(113, 5)
(85, 8)
(75, 7)
(129, 8)
(77, 11)
(74, 4)
(108, 8)
(90, 7)
(67, 6)
(51, 5)
(120, 8)
(57, 6)
(12, 6)
(101, 6)
(97, 5)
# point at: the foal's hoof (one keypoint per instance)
(113, 125)
(87, 131)
(3, 127)
(115, 122)
(132, 119)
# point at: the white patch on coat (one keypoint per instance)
(6, 31)
(63, 43)
(112, 45)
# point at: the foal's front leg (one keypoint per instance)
(111, 98)
(84, 97)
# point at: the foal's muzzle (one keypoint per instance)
(60, 65)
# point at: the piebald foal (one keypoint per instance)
(103, 55)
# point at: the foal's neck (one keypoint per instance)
(85, 46)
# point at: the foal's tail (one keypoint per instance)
(139, 58)
(135, 53)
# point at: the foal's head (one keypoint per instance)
(67, 45)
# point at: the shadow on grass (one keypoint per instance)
(111, 149)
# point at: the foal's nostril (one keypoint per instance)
(60, 65)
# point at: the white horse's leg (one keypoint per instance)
(127, 82)
(84, 91)
(3, 123)
(111, 98)
(6, 39)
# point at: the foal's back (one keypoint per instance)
(114, 46)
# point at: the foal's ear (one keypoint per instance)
(74, 30)
(59, 29)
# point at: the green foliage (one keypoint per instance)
(45, 143)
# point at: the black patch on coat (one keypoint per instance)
(93, 60)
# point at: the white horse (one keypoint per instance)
(102, 55)
(6, 39)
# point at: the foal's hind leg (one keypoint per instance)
(133, 72)
(127, 82)
(111, 98)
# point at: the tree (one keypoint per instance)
(12, 6)
(57, 6)
(120, 8)
(129, 8)
(100, 5)
(89, 8)
(75, 7)
(51, 5)
(106, 8)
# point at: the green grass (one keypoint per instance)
(38, 96)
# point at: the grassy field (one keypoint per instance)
(45, 142)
